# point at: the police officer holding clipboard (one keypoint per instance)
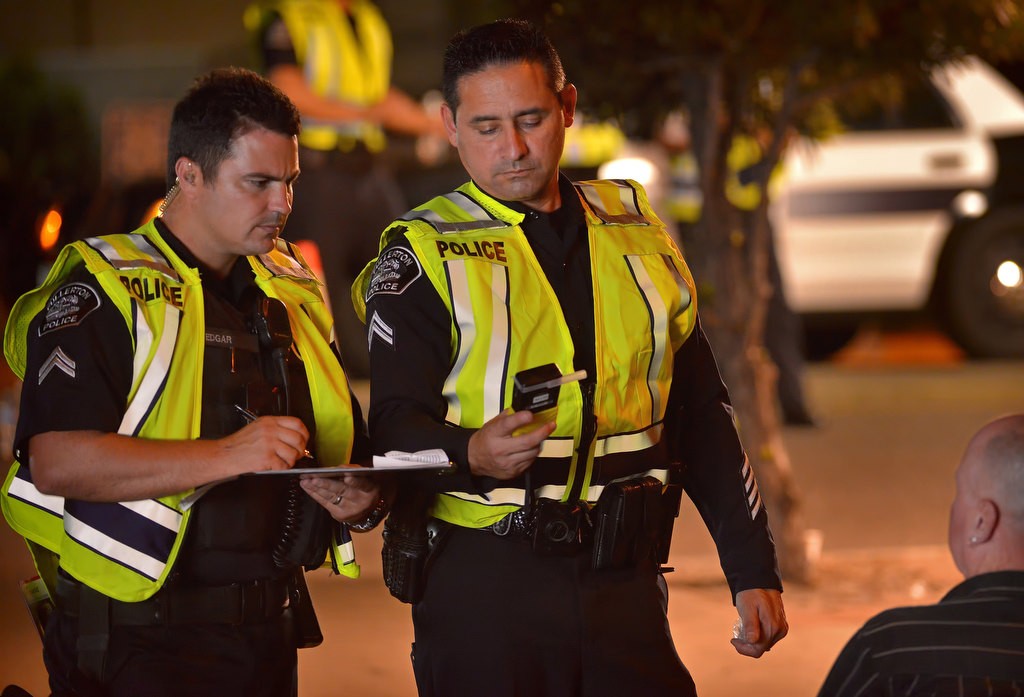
(183, 355)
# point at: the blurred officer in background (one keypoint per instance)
(784, 330)
(333, 59)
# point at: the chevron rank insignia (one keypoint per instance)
(59, 360)
(376, 327)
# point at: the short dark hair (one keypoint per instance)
(504, 42)
(222, 105)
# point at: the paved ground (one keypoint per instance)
(876, 479)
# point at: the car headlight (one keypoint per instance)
(970, 204)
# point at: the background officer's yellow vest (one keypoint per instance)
(341, 61)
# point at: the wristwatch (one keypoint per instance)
(373, 518)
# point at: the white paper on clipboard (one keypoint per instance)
(390, 461)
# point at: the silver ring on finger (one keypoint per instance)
(337, 499)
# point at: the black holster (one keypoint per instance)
(300, 604)
(93, 633)
(411, 539)
(633, 522)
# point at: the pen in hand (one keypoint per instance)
(252, 416)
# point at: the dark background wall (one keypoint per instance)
(115, 50)
(128, 61)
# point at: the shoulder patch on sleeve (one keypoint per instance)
(396, 269)
(68, 306)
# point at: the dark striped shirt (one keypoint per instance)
(970, 643)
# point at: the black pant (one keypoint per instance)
(198, 660)
(498, 620)
(343, 202)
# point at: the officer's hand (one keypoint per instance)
(268, 443)
(495, 452)
(763, 621)
(349, 499)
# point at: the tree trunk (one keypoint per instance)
(729, 257)
(735, 302)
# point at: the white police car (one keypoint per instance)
(916, 208)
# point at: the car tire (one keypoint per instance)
(984, 317)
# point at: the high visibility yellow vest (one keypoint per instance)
(589, 144)
(126, 550)
(685, 198)
(506, 318)
(341, 62)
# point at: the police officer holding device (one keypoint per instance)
(538, 572)
(161, 368)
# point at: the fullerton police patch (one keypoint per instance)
(68, 306)
(395, 271)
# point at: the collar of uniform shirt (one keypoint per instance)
(565, 221)
(232, 287)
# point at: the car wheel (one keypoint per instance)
(983, 289)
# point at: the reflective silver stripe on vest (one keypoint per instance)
(26, 491)
(111, 548)
(509, 496)
(632, 216)
(481, 219)
(629, 442)
(152, 384)
(155, 511)
(462, 314)
(156, 262)
(659, 326)
(556, 447)
(347, 551)
(497, 353)
(292, 266)
(496, 497)
(594, 492)
(346, 547)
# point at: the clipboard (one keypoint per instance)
(391, 461)
(342, 470)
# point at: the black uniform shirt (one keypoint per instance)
(410, 334)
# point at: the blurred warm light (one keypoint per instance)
(639, 169)
(152, 211)
(1009, 274)
(49, 230)
(971, 204)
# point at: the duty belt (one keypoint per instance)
(518, 523)
(553, 527)
(235, 604)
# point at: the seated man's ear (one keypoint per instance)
(984, 522)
